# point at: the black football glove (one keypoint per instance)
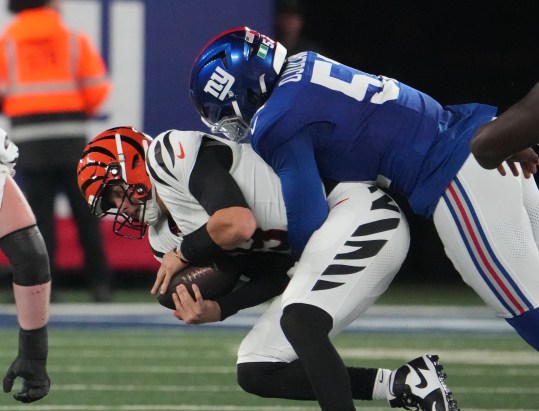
(31, 365)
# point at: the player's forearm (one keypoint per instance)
(230, 227)
(514, 130)
(226, 229)
(253, 293)
(32, 305)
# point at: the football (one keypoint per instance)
(212, 282)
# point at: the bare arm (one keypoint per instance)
(231, 222)
(511, 134)
(230, 227)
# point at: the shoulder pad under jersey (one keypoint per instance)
(171, 158)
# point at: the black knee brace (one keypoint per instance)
(27, 254)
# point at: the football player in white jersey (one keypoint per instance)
(222, 196)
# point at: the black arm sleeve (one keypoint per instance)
(267, 273)
(198, 247)
(214, 188)
(210, 182)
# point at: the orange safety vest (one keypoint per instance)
(46, 68)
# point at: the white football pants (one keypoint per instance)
(347, 264)
(489, 225)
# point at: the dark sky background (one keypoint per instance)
(456, 51)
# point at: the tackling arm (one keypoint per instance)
(303, 191)
(511, 134)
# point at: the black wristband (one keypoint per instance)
(33, 344)
(198, 247)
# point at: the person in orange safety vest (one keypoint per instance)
(52, 79)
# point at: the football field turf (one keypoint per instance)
(193, 369)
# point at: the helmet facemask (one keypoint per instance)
(234, 128)
(131, 226)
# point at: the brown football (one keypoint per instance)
(212, 281)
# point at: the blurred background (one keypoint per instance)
(457, 51)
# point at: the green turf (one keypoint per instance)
(165, 370)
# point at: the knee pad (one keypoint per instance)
(527, 326)
(27, 254)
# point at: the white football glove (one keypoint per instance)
(9, 152)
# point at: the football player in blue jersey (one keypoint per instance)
(313, 118)
(510, 137)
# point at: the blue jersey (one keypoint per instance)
(325, 120)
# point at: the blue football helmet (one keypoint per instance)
(232, 77)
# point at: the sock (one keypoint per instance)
(381, 385)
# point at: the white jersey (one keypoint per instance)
(170, 161)
(346, 265)
(162, 239)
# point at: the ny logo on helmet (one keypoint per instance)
(219, 84)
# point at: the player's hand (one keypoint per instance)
(36, 382)
(197, 310)
(170, 265)
(528, 160)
